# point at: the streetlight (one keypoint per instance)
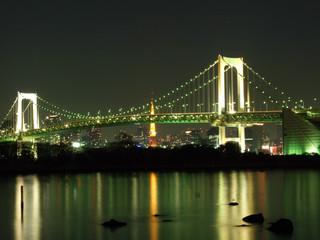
(185, 107)
(199, 106)
(264, 102)
(302, 102)
(170, 106)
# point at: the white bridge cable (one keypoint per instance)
(62, 111)
(50, 111)
(9, 112)
(144, 109)
(276, 89)
(191, 94)
(264, 93)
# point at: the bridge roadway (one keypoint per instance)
(202, 117)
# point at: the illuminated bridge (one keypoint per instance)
(228, 93)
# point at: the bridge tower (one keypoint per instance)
(20, 114)
(152, 133)
(226, 98)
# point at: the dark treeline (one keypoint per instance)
(127, 157)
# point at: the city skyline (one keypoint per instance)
(93, 57)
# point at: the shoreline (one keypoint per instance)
(203, 164)
(63, 158)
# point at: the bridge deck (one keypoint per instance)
(165, 118)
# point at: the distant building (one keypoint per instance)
(69, 137)
(123, 137)
(52, 120)
(141, 136)
(213, 137)
(93, 138)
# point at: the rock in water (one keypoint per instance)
(233, 203)
(283, 225)
(254, 218)
(158, 215)
(113, 224)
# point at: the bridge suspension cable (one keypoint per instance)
(61, 111)
(182, 98)
(287, 100)
(8, 122)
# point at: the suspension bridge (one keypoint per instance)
(228, 93)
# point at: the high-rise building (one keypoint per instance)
(52, 120)
(93, 138)
(141, 136)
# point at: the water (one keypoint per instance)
(72, 206)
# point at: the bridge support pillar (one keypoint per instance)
(222, 99)
(240, 139)
(222, 135)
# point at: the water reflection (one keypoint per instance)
(27, 221)
(154, 224)
(76, 204)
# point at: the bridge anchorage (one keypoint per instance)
(226, 94)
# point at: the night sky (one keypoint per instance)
(95, 55)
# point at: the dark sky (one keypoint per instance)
(95, 55)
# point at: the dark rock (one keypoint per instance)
(233, 203)
(113, 224)
(158, 215)
(243, 225)
(283, 225)
(254, 218)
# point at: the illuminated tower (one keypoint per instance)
(225, 100)
(20, 116)
(152, 133)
